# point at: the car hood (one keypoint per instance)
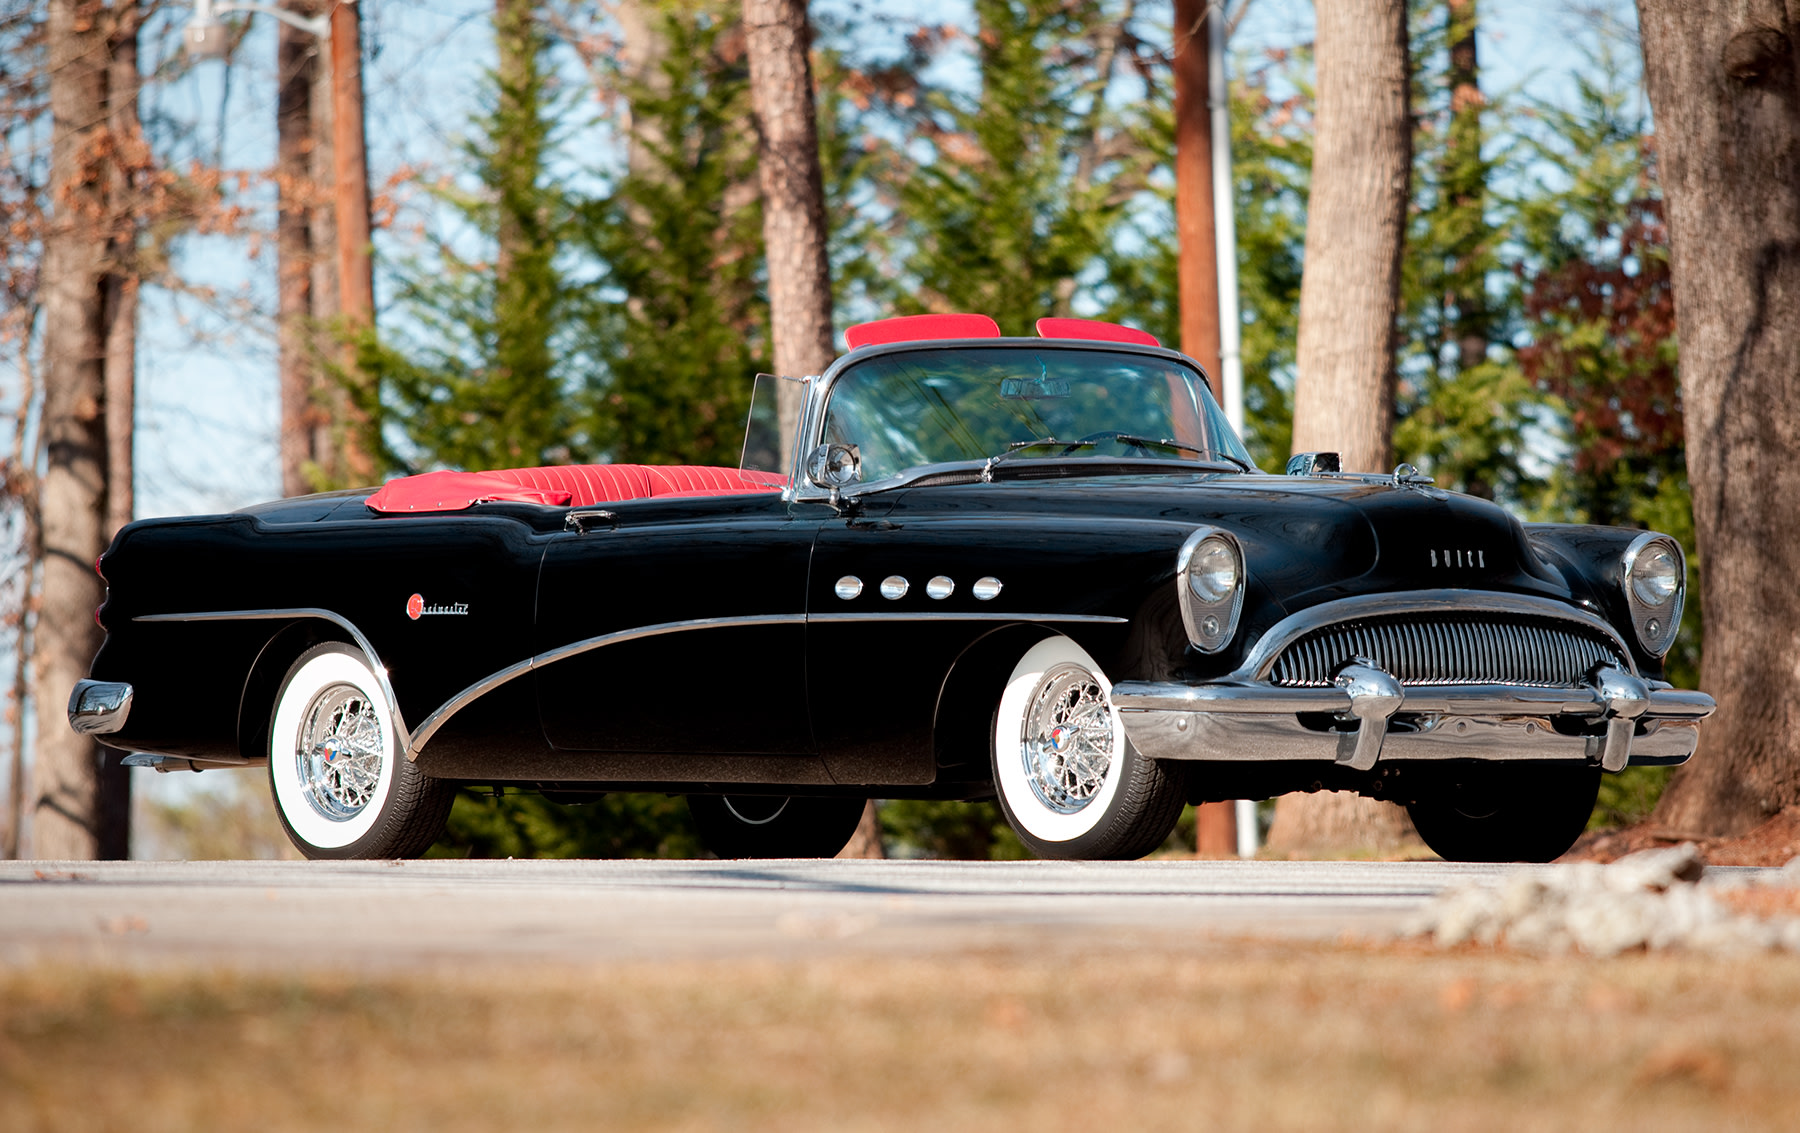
(1306, 539)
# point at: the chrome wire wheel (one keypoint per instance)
(342, 785)
(1068, 780)
(1068, 739)
(340, 752)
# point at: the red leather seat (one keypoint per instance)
(569, 485)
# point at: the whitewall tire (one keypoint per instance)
(1070, 782)
(342, 786)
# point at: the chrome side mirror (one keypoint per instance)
(1313, 464)
(834, 467)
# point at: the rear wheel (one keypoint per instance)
(342, 787)
(1070, 782)
(1508, 814)
(775, 826)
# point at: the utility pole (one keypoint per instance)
(1198, 268)
(1204, 225)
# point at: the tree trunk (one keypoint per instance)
(1724, 82)
(793, 191)
(1334, 824)
(296, 185)
(1198, 265)
(82, 805)
(1355, 225)
(794, 233)
(355, 274)
(1349, 295)
(866, 842)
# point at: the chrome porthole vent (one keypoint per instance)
(1068, 739)
(848, 587)
(940, 587)
(893, 587)
(986, 589)
(340, 752)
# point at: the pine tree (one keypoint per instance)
(1024, 188)
(1600, 313)
(481, 380)
(1463, 404)
(681, 326)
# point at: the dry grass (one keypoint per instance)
(1230, 1036)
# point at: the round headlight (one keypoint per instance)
(1211, 580)
(1213, 571)
(1655, 582)
(1656, 575)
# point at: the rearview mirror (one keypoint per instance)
(1033, 389)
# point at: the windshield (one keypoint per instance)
(925, 407)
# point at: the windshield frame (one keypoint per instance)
(819, 391)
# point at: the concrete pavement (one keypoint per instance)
(357, 915)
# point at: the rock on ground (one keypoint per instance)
(1654, 899)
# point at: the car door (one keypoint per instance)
(675, 629)
(891, 605)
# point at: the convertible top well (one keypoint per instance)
(572, 485)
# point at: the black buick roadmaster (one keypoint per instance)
(1037, 569)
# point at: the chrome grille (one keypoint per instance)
(1423, 649)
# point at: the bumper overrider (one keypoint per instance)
(1611, 716)
(99, 708)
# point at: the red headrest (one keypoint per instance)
(1094, 330)
(919, 328)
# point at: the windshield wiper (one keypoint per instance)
(1146, 442)
(987, 470)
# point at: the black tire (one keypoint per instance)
(1122, 813)
(775, 826)
(365, 802)
(1508, 814)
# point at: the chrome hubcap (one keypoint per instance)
(1067, 744)
(340, 752)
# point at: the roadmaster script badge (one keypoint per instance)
(416, 608)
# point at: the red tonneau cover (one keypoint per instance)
(571, 485)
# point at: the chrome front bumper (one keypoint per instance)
(1615, 720)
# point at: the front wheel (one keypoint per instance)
(1508, 814)
(775, 826)
(1070, 783)
(342, 787)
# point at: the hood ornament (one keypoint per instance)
(1408, 476)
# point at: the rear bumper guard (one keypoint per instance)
(99, 708)
(1615, 719)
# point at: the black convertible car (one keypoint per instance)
(1042, 570)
